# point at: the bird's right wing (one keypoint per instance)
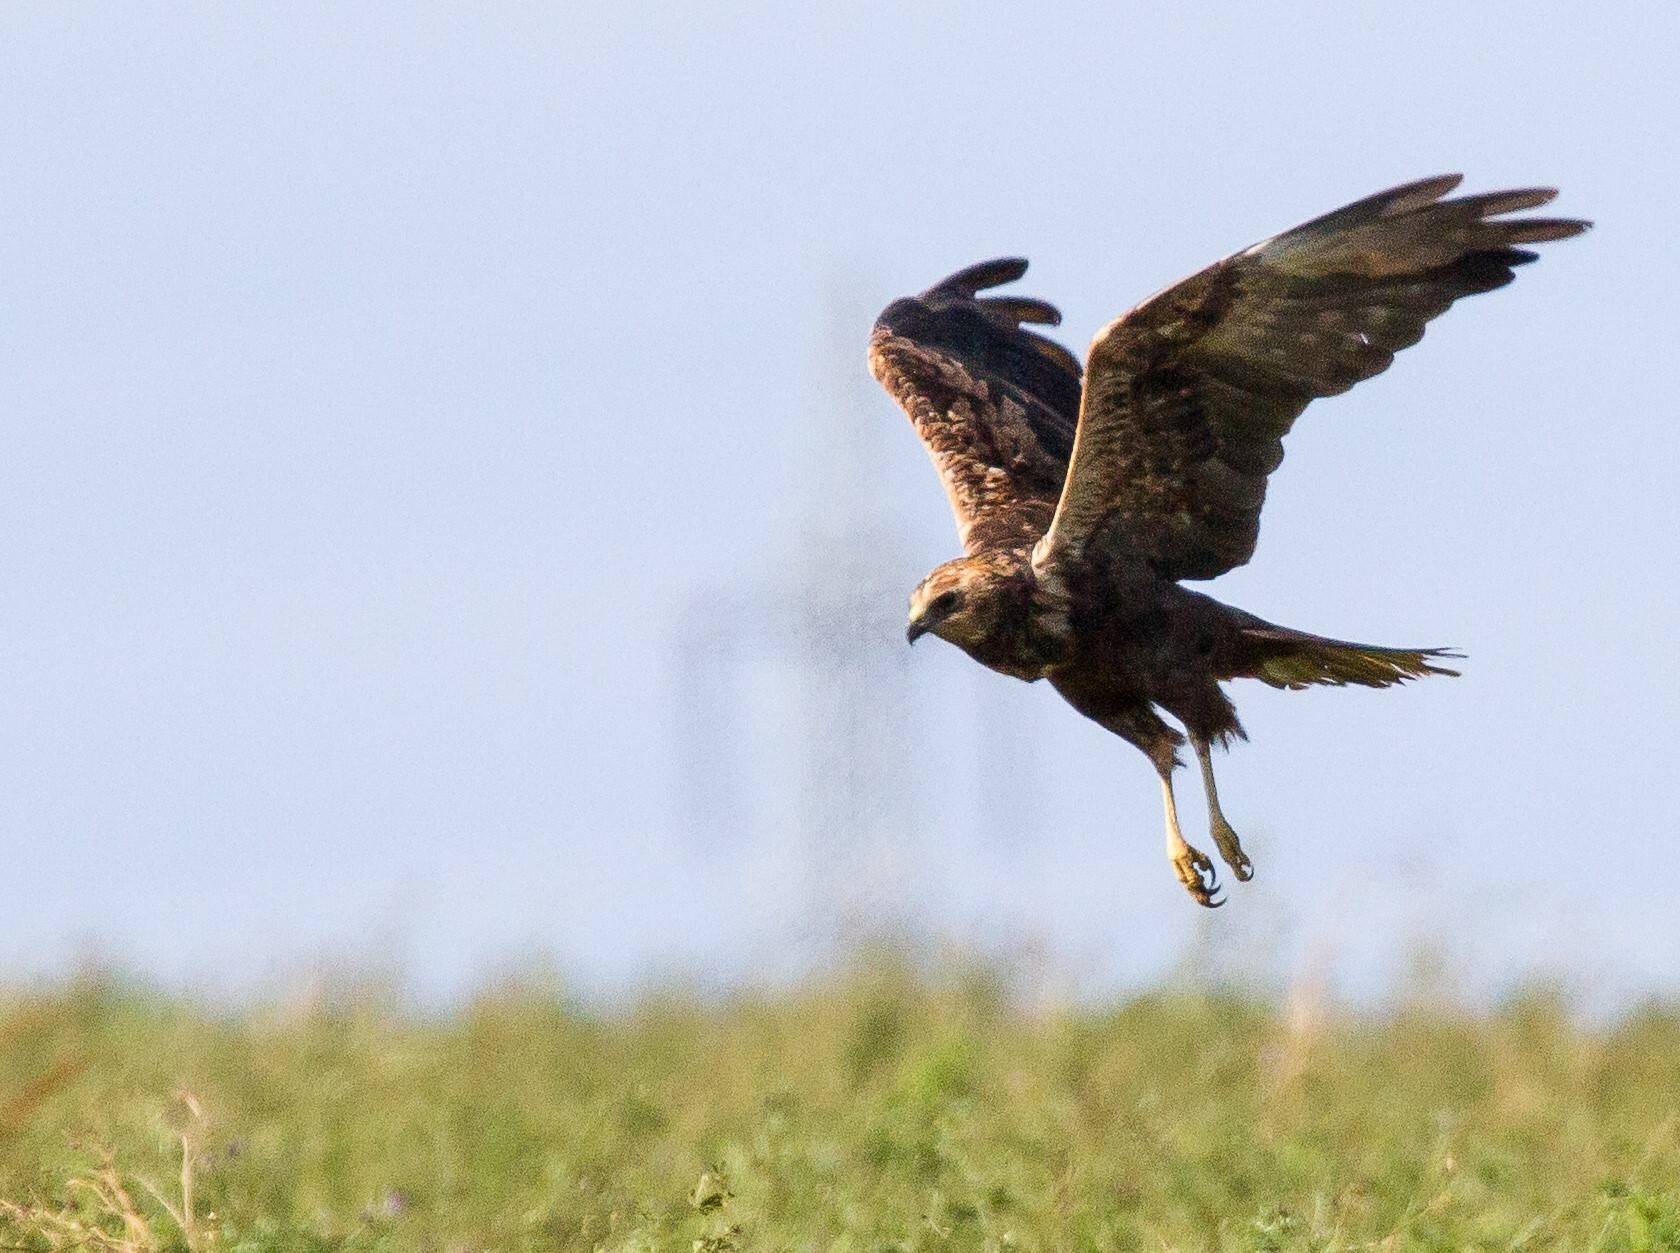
(994, 403)
(1187, 397)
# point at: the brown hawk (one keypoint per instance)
(1084, 498)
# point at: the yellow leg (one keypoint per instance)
(1230, 848)
(1191, 865)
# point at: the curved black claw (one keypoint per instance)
(1195, 871)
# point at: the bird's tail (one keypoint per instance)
(1295, 659)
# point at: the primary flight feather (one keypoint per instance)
(1083, 497)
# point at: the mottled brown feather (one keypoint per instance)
(994, 404)
(1188, 396)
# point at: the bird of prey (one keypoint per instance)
(1084, 498)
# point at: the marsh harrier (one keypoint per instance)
(1085, 498)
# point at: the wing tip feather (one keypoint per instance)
(1416, 194)
(971, 280)
(1024, 309)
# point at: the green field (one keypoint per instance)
(876, 1110)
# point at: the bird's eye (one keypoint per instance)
(945, 602)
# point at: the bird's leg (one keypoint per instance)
(1230, 848)
(1192, 866)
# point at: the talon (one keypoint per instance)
(1195, 871)
(1231, 849)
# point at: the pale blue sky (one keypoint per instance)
(383, 384)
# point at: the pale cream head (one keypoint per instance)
(952, 602)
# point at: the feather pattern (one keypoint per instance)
(1187, 397)
(995, 404)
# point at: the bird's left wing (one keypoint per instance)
(994, 403)
(1188, 397)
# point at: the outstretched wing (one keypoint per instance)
(1188, 396)
(995, 404)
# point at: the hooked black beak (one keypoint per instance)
(916, 630)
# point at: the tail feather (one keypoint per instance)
(1295, 659)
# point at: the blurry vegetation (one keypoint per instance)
(881, 1110)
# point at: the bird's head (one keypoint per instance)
(954, 603)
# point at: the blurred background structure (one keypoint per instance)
(445, 519)
(821, 756)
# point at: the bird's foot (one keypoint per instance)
(1195, 871)
(1231, 849)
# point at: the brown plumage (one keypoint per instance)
(1082, 502)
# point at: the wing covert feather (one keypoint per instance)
(994, 404)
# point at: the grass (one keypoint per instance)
(878, 1110)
